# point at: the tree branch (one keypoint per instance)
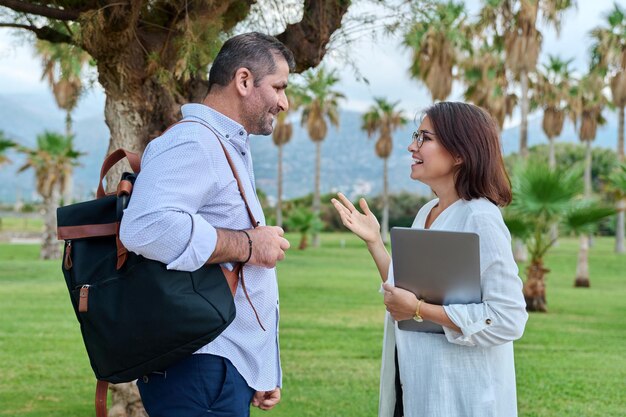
(36, 9)
(45, 33)
(308, 38)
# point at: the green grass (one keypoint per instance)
(570, 362)
(21, 224)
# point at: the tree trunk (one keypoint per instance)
(128, 123)
(523, 140)
(385, 225)
(587, 176)
(303, 241)
(554, 229)
(316, 193)
(279, 192)
(620, 135)
(519, 251)
(619, 227)
(535, 286)
(582, 268)
(552, 154)
(50, 246)
(68, 185)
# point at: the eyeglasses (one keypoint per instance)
(418, 136)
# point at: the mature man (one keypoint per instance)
(186, 211)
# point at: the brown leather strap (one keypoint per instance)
(237, 273)
(115, 157)
(102, 388)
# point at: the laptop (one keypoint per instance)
(440, 267)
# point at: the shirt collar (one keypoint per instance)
(228, 129)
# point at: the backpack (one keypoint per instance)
(135, 315)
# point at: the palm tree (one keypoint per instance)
(617, 187)
(542, 197)
(485, 76)
(320, 102)
(281, 135)
(436, 40)
(63, 67)
(609, 54)
(383, 117)
(51, 160)
(517, 20)
(588, 101)
(551, 93)
(302, 220)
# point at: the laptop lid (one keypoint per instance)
(441, 267)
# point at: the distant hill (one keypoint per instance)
(349, 163)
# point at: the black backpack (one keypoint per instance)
(135, 315)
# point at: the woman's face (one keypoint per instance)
(432, 163)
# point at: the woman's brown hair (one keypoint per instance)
(469, 132)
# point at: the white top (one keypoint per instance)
(468, 374)
(184, 191)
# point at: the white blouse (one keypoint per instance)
(472, 373)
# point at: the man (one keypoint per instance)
(186, 211)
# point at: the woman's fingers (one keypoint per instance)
(365, 207)
(346, 202)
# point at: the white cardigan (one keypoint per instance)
(468, 374)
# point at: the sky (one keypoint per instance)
(384, 63)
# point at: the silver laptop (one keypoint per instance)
(439, 267)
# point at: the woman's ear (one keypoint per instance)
(458, 161)
(243, 81)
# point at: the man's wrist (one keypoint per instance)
(249, 246)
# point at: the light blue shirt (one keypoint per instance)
(186, 190)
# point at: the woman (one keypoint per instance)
(467, 371)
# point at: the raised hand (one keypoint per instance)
(364, 225)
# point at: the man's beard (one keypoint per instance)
(263, 126)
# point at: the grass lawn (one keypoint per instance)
(570, 362)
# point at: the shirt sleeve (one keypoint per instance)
(501, 317)
(162, 220)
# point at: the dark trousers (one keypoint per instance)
(201, 385)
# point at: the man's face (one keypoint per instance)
(267, 100)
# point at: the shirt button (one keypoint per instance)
(488, 321)
(227, 136)
(243, 153)
(240, 133)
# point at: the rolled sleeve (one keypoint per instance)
(200, 248)
(502, 316)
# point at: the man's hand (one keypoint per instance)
(266, 400)
(268, 245)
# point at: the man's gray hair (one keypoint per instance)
(254, 51)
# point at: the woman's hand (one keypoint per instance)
(401, 304)
(364, 225)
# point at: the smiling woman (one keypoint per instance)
(468, 369)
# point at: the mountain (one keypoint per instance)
(349, 163)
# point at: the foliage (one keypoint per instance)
(383, 117)
(436, 38)
(5, 145)
(304, 221)
(51, 159)
(319, 101)
(543, 197)
(604, 160)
